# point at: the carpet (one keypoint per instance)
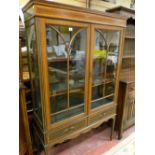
(126, 147)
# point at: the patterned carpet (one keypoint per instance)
(126, 147)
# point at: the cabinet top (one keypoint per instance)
(42, 8)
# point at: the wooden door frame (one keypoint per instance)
(121, 46)
(43, 67)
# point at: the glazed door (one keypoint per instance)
(104, 61)
(66, 52)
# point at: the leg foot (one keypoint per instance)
(46, 151)
(120, 135)
(112, 128)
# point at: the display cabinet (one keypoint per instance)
(126, 98)
(75, 58)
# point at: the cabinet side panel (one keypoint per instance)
(34, 70)
(43, 73)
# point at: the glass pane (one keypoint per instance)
(77, 69)
(66, 68)
(76, 98)
(57, 60)
(101, 102)
(105, 54)
(97, 92)
(99, 58)
(34, 72)
(109, 88)
(112, 55)
(58, 103)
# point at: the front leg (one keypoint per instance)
(112, 128)
(46, 151)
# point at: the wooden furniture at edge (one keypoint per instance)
(25, 69)
(25, 144)
(126, 99)
(75, 58)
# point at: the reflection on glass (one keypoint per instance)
(105, 54)
(77, 61)
(66, 69)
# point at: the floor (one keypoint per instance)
(95, 142)
(125, 147)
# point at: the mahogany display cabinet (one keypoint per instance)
(75, 58)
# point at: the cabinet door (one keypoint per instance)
(66, 47)
(104, 58)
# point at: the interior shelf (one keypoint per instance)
(103, 82)
(52, 60)
(72, 90)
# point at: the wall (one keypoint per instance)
(22, 2)
(81, 3)
(125, 3)
(95, 4)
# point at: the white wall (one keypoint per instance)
(125, 3)
(95, 4)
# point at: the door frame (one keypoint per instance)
(43, 68)
(119, 61)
